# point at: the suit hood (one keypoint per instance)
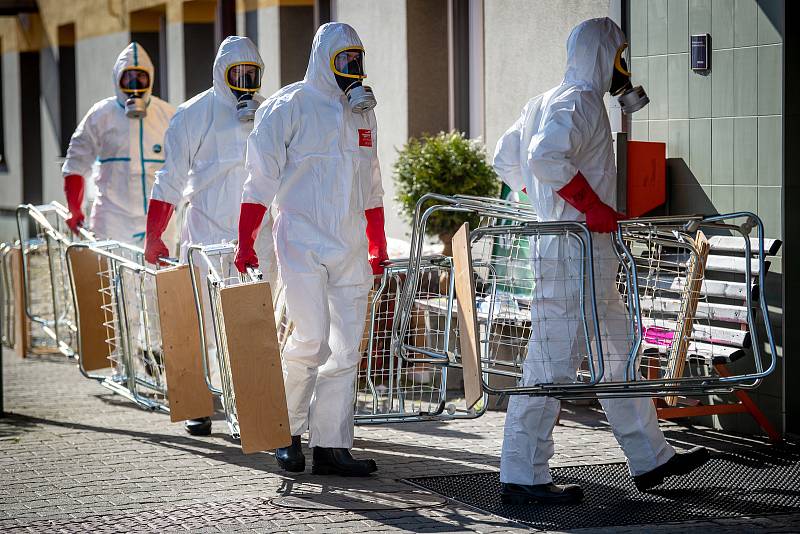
(591, 48)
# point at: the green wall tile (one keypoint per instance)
(638, 28)
(678, 140)
(678, 26)
(722, 151)
(745, 23)
(657, 90)
(721, 84)
(770, 79)
(699, 17)
(722, 197)
(721, 25)
(699, 95)
(640, 131)
(659, 131)
(639, 76)
(745, 150)
(770, 151)
(700, 149)
(745, 84)
(745, 198)
(769, 210)
(678, 86)
(770, 15)
(656, 27)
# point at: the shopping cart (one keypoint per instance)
(119, 332)
(392, 389)
(542, 293)
(240, 347)
(46, 299)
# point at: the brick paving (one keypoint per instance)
(75, 457)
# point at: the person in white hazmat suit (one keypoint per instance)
(560, 151)
(206, 143)
(123, 136)
(313, 150)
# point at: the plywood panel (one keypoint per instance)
(255, 362)
(94, 350)
(189, 397)
(467, 316)
(21, 325)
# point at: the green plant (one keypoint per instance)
(446, 163)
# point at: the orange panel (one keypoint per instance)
(647, 170)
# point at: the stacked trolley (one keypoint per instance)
(638, 313)
(665, 339)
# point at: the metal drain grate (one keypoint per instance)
(762, 482)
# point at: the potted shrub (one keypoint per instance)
(449, 164)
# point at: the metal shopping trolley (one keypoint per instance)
(45, 296)
(238, 330)
(641, 312)
(119, 329)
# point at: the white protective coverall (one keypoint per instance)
(559, 133)
(318, 160)
(206, 145)
(127, 153)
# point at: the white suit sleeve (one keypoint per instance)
(376, 184)
(552, 149)
(84, 147)
(506, 160)
(179, 147)
(266, 153)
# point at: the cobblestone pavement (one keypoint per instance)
(75, 457)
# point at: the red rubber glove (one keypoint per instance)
(600, 217)
(250, 218)
(73, 189)
(158, 215)
(376, 236)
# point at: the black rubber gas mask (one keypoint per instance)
(244, 80)
(135, 82)
(348, 69)
(631, 98)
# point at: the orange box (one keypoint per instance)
(647, 177)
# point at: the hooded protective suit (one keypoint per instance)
(317, 159)
(560, 133)
(206, 145)
(127, 153)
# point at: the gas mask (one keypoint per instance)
(348, 69)
(135, 82)
(244, 81)
(631, 98)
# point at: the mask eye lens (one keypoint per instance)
(135, 81)
(244, 77)
(349, 63)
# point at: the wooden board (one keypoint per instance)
(467, 316)
(94, 349)
(189, 397)
(695, 274)
(21, 325)
(255, 363)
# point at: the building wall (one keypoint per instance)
(723, 129)
(525, 53)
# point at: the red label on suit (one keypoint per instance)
(364, 137)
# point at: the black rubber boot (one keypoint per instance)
(291, 458)
(198, 427)
(541, 494)
(334, 461)
(680, 464)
